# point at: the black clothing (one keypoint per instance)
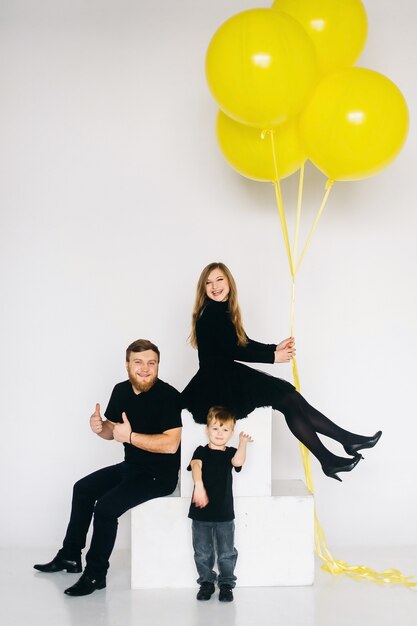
(107, 493)
(220, 380)
(111, 491)
(213, 527)
(149, 413)
(217, 339)
(217, 479)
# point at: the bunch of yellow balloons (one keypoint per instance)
(288, 69)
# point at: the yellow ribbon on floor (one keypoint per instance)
(330, 564)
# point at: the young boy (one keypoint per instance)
(212, 504)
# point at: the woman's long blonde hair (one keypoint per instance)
(201, 299)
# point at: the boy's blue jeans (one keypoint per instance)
(211, 539)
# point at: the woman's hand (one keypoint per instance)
(285, 343)
(285, 350)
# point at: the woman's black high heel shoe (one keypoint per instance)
(332, 471)
(353, 448)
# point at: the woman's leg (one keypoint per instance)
(305, 422)
(324, 426)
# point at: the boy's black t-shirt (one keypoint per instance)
(218, 483)
(150, 413)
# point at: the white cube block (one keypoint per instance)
(274, 538)
(255, 477)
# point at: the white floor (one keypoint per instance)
(29, 598)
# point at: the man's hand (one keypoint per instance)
(200, 497)
(121, 432)
(285, 350)
(96, 421)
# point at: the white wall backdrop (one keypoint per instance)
(114, 195)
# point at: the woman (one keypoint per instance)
(218, 334)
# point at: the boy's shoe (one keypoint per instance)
(206, 591)
(226, 593)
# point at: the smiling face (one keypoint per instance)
(219, 433)
(217, 286)
(142, 368)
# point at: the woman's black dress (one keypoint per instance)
(221, 381)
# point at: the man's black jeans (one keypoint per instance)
(107, 494)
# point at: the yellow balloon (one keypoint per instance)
(261, 67)
(249, 150)
(338, 29)
(355, 124)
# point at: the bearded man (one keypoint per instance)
(144, 414)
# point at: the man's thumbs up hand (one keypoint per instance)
(96, 422)
(121, 432)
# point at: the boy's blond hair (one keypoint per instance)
(222, 415)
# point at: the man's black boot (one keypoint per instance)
(58, 564)
(85, 585)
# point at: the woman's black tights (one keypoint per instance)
(305, 422)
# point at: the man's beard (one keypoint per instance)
(142, 386)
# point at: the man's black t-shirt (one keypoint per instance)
(217, 479)
(150, 413)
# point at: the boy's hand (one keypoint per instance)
(244, 438)
(200, 497)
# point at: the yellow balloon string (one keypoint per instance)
(298, 212)
(280, 204)
(330, 564)
(294, 256)
(329, 185)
